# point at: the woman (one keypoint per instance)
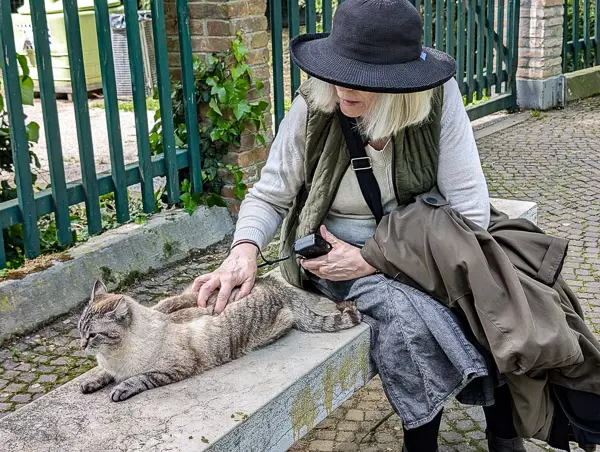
(410, 112)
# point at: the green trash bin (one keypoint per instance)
(58, 42)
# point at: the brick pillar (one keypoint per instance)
(539, 80)
(213, 26)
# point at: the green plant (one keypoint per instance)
(13, 236)
(222, 87)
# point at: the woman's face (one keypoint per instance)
(354, 103)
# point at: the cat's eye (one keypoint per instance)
(92, 335)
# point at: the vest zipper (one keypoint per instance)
(394, 171)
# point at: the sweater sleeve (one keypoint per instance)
(269, 200)
(460, 176)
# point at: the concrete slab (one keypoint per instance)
(115, 256)
(582, 84)
(516, 209)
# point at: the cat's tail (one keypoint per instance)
(312, 312)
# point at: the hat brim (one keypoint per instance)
(314, 56)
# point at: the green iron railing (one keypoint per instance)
(482, 35)
(30, 205)
(581, 35)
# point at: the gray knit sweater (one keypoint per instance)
(460, 178)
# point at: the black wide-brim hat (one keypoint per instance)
(374, 45)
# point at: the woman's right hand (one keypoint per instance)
(237, 270)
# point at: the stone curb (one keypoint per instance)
(117, 256)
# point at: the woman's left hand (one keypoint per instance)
(342, 263)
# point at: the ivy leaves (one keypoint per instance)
(231, 103)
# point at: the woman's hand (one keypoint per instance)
(238, 269)
(342, 263)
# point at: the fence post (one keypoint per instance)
(539, 80)
(213, 26)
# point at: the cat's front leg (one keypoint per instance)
(96, 381)
(142, 382)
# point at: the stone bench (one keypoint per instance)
(262, 402)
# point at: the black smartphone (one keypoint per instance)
(312, 246)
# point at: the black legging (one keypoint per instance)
(498, 418)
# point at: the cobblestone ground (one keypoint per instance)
(552, 159)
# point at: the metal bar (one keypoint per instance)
(587, 28)
(597, 32)
(489, 54)
(189, 94)
(51, 125)
(2, 252)
(327, 15)
(460, 46)
(82, 116)
(428, 24)
(276, 39)
(139, 103)
(10, 212)
(470, 50)
(20, 146)
(311, 16)
(513, 43)
(450, 30)
(480, 8)
(439, 24)
(164, 96)
(294, 30)
(576, 42)
(500, 57)
(111, 106)
(566, 51)
(417, 4)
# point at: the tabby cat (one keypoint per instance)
(142, 348)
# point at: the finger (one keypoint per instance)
(206, 290)
(332, 239)
(223, 296)
(199, 281)
(245, 289)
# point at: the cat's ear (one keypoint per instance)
(121, 310)
(99, 289)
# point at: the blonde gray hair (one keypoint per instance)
(389, 113)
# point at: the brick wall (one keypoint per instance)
(213, 25)
(540, 39)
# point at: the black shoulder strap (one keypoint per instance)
(361, 165)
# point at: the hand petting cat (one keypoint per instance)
(237, 270)
(342, 263)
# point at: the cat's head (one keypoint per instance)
(105, 321)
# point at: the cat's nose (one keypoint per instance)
(83, 344)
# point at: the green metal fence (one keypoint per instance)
(482, 35)
(581, 34)
(30, 205)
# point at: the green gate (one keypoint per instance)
(482, 35)
(581, 35)
(29, 205)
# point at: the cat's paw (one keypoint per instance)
(122, 392)
(91, 385)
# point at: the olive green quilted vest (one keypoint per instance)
(415, 159)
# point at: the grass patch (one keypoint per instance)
(127, 105)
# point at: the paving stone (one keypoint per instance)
(51, 378)
(321, 446)
(14, 388)
(21, 398)
(355, 415)
(5, 407)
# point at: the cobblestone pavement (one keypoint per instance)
(552, 159)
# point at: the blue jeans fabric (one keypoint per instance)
(418, 346)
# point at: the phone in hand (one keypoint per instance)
(311, 246)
